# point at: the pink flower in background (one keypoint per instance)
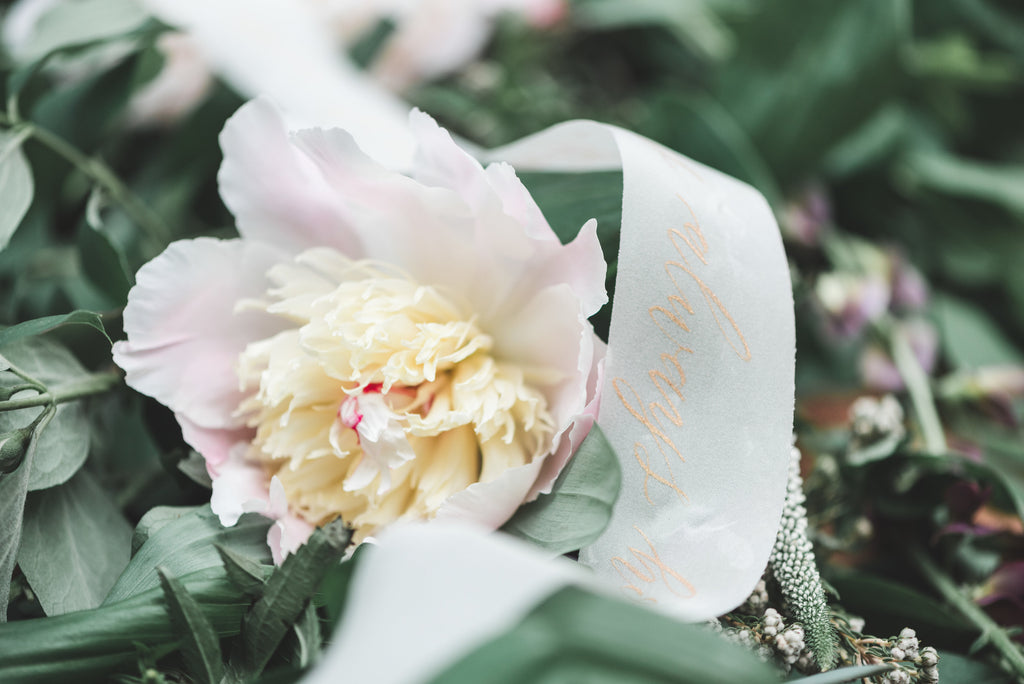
(375, 346)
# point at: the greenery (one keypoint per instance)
(885, 134)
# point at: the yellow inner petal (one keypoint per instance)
(407, 352)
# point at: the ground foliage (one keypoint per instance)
(886, 135)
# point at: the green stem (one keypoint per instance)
(100, 173)
(920, 391)
(70, 391)
(996, 635)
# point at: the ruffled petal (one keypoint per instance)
(184, 335)
(275, 191)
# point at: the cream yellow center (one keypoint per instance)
(383, 399)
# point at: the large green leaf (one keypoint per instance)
(187, 544)
(88, 646)
(845, 674)
(64, 445)
(805, 74)
(74, 544)
(13, 491)
(575, 636)
(16, 187)
(579, 506)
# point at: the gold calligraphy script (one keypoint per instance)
(656, 405)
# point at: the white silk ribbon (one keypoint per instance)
(698, 390)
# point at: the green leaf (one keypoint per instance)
(970, 338)
(186, 545)
(579, 506)
(16, 186)
(13, 491)
(245, 574)
(200, 645)
(39, 326)
(845, 674)
(74, 544)
(64, 445)
(307, 637)
(90, 645)
(287, 593)
(575, 636)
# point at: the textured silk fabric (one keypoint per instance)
(698, 388)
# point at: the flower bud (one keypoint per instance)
(13, 445)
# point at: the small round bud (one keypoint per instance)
(13, 446)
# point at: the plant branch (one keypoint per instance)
(920, 391)
(101, 174)
(97, 383)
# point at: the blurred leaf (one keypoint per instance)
(287, 593)
(104, 265)
(888, 607)
(579, 506)
(200, 645)
(74, 544)
(806, 74)
(64, 445)
(693, 22)
(954, 667)
(90, 645)
(701, 128)
(68, 24)
(844, 674)
(39, 326)
(13, 491)
(16, 186)
(576, 636)
(186, 545)
(942, 172)
(307, 638)
(970, 338)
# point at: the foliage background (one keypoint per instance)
(886, 134)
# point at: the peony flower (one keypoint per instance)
(375, 346)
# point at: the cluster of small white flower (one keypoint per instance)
(757, 601)
(872, 419)
(793, 566)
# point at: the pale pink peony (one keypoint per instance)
(375, 346)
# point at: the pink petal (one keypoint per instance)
(213, 445)
(184, 336)
(240, 487)
(275, 191)
(578, 430)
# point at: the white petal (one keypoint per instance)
(276, 193)
(240, 487)
(491, 504)
(184, 336)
